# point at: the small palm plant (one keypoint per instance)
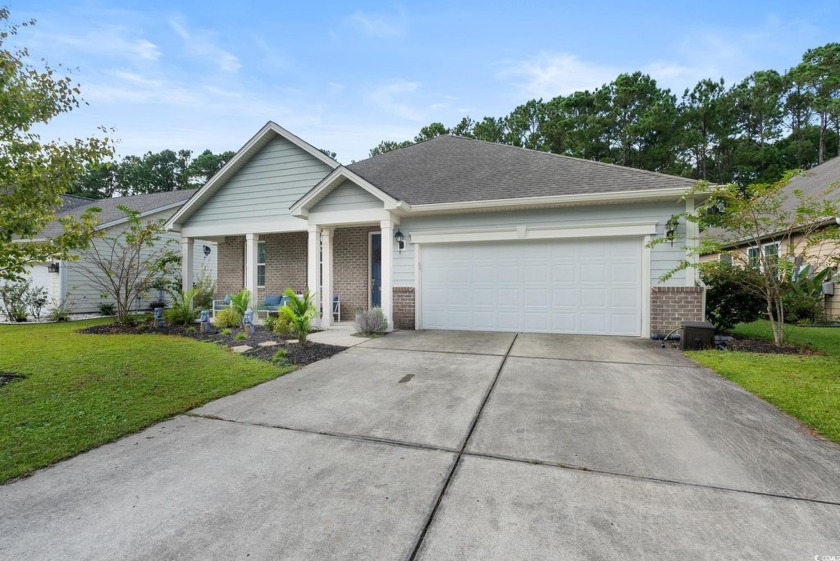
(183, 311)
(241, 301)
(300, 312)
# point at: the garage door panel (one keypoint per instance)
(564, 286)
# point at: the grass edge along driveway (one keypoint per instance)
(81, 391)
(804, 386)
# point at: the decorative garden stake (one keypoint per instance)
(205, 322)
(158, 317)
(248, 322)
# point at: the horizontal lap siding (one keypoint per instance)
(664, 257)
(347, 196)
(264, 188)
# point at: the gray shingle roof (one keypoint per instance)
(75, 206)
(450, 168)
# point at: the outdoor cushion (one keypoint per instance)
(273, 301)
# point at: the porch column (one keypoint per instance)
(187, 245)
(251, 266)
(327, 280)
(313, 265)
(387, 296)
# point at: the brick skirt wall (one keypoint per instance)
(672, 305)
(403, 307)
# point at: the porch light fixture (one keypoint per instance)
(400, 240)
(53, 267)
(206, 250)
(671, 228)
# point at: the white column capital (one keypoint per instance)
(313, 228)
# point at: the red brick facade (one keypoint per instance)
(672, 305)
(285, 263)
(403, 307)
(231, 266)
(351, 271)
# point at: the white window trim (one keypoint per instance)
(261, 264)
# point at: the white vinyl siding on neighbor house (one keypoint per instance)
(263, 190)
(587, 286)
(346, 196)
(664, 257)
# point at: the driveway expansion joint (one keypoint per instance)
(692, 364)
(460, 455)
(468, 353)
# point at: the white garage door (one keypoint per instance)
(590, 286)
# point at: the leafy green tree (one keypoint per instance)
(819, 74)
(431, 131)
(207, 164)
(706, 123)
(126, 261)
(464, 128)
(33, 173)
(525, 126)
(747, 218)
(490, 129)
(387, 146)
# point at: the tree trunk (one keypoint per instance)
(823, 126)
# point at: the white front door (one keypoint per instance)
(587, 286)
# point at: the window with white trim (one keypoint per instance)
(726, 259)
(261, 263)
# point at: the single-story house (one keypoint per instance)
(812, 183)
(63, 279)
(451, 233)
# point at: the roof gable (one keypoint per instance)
(266, 135)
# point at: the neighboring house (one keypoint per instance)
(812, 183)
(496, 238)
(63, 280)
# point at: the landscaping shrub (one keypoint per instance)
(280, 358)
(371, 321)
(240, 336)
(270, 323)
(299, 312)
(229, 317)
(729, 298)
(205, 288)
(283, 327)
(36, 299)
(106, 308)
(183, 311)
(240, 302)
(60, 310)
(13, 297)
(803, 299)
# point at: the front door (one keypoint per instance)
(376, 270)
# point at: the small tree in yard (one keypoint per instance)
(127, 261)
(799, 226)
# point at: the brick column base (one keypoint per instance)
(403, 307)
(672, 305)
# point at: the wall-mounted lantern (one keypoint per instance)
(206, 250)
(671, 228)
(53, 267)
(400, 238)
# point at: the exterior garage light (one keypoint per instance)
(671, 228)
(53, 267)
(400, 240)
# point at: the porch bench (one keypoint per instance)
(219, 305)
(271, 303)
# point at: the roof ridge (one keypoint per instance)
(574, 158)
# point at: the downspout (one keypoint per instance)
(62, 282)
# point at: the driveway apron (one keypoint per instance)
(450, 445)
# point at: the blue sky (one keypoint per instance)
(345, 75)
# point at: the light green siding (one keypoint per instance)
(264, 188)
(347, 196)
(664, 257)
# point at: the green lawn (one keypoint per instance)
(81, 391)
(807, 387)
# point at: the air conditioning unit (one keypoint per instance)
(828, 288)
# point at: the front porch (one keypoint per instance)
(349, 262)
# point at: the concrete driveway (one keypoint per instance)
(449, 445)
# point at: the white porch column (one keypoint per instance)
(313, 265)
(251, 266)
(386, 298)
(187, 245)
(327, 280)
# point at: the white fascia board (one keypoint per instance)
(523, 232)
(240, 229)
(349, 217)
(674, 194)
(245, 152)
(330, 182)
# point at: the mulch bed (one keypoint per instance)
(296, 353)
(762, 346)
(9, 377)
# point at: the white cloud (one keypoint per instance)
(200, 44)
(392, 98)
(378, 25)
(121, 42)
(551, 74)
